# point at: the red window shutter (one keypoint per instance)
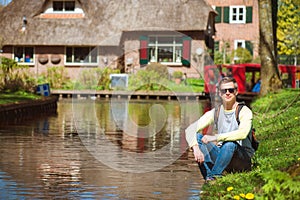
(144, 53)
(186, 51)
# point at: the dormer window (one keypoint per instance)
(69, 9)
(63, 6)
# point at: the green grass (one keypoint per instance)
(192, 85)
(6, 98)
(277, 169)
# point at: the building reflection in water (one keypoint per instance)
(47, 158)
(123, 134)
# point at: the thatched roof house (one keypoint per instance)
(49, 27)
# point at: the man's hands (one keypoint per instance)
(199, 157)
(208, 138)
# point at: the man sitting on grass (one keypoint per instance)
(230, 149)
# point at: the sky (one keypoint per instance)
(5, 2)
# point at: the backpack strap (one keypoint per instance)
(238, 110)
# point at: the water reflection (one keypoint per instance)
(132, 137)
(44, 158)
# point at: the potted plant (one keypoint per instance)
(177, 75)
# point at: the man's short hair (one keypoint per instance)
(228, 79)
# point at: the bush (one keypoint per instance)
(147, 80)
(95, 78)
(56, 77)
(104, 79)
(244, 56)
(14, 77)
(160, 69)
(219, 58)
(177, 74)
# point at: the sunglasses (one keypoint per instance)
(230, 90)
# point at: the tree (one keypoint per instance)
(288, 31)
(270, 79)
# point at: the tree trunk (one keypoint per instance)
(270, 79)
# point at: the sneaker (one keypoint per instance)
(209, 179)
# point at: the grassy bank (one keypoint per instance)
(6, 98)
(276, 174)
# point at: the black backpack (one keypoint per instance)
(251, 135)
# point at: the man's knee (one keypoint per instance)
(229, 146)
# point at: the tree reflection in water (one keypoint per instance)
(50, 156)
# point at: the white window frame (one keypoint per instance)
(176, 49)
(64, 6)
(82, 62)
(237, 42)
(23, 60)
(237, 14)
(50, 8)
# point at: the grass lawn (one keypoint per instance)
(192, 85)
(6, 98)
(276, 174)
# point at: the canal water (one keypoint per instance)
(102, 149)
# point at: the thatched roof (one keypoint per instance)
(103, 22)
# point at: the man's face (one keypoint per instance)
(228, 92)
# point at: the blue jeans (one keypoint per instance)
(230, 157)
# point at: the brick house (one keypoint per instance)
(237, 24)
(124, 34)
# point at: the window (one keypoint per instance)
(63, 6)
(165, 49)
(24, 54)
(81, 55)
(239, 43)
(170, 50)
(244, 44)
(237, 14)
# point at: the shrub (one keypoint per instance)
(14, 77)
(56, 77)
(95, 78)
(177, 74)
(160, 69)
(219, 58)
(104, 79)
(244, 56)
(147, 80)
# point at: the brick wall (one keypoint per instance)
(230, 32)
